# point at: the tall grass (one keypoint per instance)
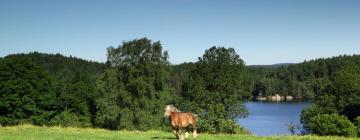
(30, 132)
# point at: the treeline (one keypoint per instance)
(333, 84)
(48, 89)
(303, 80)
(337, 106)
(131, 89)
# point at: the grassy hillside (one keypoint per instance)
(29, 132)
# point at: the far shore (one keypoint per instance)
(276, 98)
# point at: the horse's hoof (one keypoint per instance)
(186, 135)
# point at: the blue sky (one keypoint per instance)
(261, 31)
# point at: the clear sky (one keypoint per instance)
(261, 31)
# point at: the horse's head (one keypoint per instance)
(169, 109)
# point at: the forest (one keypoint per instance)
(130, 90)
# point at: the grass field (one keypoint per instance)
(29, 132)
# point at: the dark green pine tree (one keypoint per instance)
(26, 93)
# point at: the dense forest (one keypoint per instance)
(48, 89)
(303, 80)
(130, 90)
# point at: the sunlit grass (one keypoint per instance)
(30, 132)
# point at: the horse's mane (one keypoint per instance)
(169, 109)
(174, 109)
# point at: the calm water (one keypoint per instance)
(269, 118)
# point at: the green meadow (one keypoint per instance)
(30, 132)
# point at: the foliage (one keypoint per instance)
(341, 96)
(357, 124)
(306, 115)
(67, 119)
(46, 89)
(303, 80)
(135, 89)
(131, 89)
(26, 93)
(333, 124)
(214, 90)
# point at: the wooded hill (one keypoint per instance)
(303, 80)
(38, 87)
(131, 89)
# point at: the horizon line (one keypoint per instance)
(99, 61)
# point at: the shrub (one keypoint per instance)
(220, 126)
(333, 124)
(230, 126)
(67, 118)
(306, 115)
(205, 125)
(357, 124)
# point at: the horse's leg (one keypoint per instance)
(188, 131)
(194, 130)
(179, 133)
(175, 132)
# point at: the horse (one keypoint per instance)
(179, 120)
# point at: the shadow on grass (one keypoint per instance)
(163, 138)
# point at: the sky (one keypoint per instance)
(261, 31)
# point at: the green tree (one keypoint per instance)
(73, 83)
(137, 85)
(341, 96)
(346, 89)
(357, 124)
(214, 90)
(333, 124)
(27, 93)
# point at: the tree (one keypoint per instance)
(357, 124)
(346, 89)
(72, 81)
(341, 96)
(27, 93)
(214, 89)
(333, 124)
(136, 85)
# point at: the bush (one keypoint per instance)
(357, 124)
(220, 126)
(230, 126)
(306, 115)
(333, 124)
(205, 125)
(67, 118)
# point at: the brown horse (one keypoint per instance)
(180, 120)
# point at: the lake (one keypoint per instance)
(272, 118)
